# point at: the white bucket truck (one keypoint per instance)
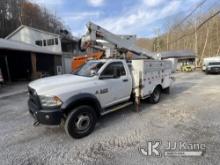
(99, 87)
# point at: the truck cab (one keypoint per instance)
(211, 64)
(213, 67)
(96, 86)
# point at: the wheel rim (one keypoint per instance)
(82, 122)
(156, 95)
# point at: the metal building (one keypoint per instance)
(21, 61)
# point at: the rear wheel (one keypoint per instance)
(80, 122)
(166, 90)
(155, 96)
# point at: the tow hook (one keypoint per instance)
(36, 123)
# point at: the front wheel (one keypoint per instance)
(207, 72)
(80, 122)
(155, 96)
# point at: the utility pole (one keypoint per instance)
(196, 43)
(157, 44)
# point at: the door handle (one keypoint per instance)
(125, 80)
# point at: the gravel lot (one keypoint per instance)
(190, 113)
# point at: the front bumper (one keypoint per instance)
(45, 116)
(214, 70)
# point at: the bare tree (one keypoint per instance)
(14, 13)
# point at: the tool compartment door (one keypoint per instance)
(150, 73)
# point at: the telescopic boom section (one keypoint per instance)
(121, 43)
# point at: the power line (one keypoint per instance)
(190, 14)
(200, 25)
(215, 14)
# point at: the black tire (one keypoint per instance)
(166, 90)
(81, 121)
(155, 96)
(207, 72)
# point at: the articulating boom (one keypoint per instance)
(122, 43)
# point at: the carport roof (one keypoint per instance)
(20, 46)
(178, 54)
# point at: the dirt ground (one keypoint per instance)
(191, 113)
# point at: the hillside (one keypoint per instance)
(200, 33)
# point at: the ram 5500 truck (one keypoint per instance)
(99, 87)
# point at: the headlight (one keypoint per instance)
(50, 101)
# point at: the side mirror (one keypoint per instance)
(93, 72)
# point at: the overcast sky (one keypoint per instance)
(141, 17)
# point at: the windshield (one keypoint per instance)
(214, 63)
(89, 69)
